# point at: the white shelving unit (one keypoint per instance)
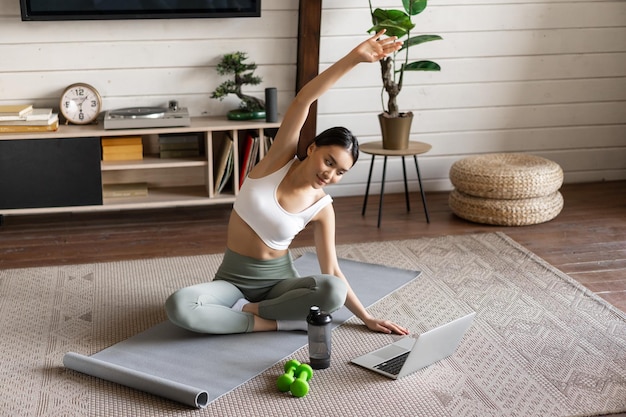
(171, 182)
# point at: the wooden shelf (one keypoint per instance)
(171, 182)
(198, 124)
(153, 162)
(169, 197)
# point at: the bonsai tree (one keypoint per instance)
(398, 23)
(243, 75)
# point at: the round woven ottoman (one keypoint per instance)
(506, 189)
(519, 212)
(506, 175)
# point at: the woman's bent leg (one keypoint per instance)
(205, 308)
(291, 299)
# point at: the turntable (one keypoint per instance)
(147, 117)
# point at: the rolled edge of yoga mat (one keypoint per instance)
(192, 396)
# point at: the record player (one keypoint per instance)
(147, 117)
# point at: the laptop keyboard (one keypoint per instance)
(393, 366)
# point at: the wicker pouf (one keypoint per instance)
(506, 176)
(519, 212)
(506, 189)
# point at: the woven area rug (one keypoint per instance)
(541, 344)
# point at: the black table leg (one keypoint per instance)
(367, 189)
(382, 191)
(419, 180)
(406, 187)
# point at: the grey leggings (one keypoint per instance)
(275, 284)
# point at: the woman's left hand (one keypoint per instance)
(385, 326)
(377, 47)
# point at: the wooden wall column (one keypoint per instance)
(309, 22)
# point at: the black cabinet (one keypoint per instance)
(53, 172)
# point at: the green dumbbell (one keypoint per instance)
(285, 380)
(300, 387)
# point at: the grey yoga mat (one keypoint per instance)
(195, 369)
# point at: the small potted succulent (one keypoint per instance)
(396, 125)
(243, 74)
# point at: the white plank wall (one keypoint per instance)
(543, 77)
(145, 62)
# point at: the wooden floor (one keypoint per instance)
(587, 240)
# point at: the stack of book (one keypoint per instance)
(25, 118)
(122, 148)
(137, 189)
(179, 146)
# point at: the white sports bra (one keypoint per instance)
(258, 206)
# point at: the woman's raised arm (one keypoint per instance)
(285, 144)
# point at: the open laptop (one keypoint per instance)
(410, 354)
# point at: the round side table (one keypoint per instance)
(376, 149)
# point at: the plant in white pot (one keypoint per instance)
(396, 125)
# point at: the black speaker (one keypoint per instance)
(271, 105)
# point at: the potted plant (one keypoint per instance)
(250, 107)
(396, 125)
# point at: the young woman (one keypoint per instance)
(257, 287)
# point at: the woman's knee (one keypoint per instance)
(206, 318)
(182, 307)
(333, 291)
(176, 311)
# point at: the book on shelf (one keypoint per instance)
(191, 138)
(177, 145)
(228, 173)
(133, 156)
(121, 155)
(53, 118)
(250, 154)
(245, 160)
(54, 126)
(180, 153)
(254, 157)
(22, 121)
(138, 149)
(224, 162)
(267, 143)
(13, 110)
(121, 140)
(122, 148)
(35, 115)
(138, 189)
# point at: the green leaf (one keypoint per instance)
(422, 66)
(414, 7)
(391, 29)
(416, 40)
(389, 14)
(395, 22)
(251, 79)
